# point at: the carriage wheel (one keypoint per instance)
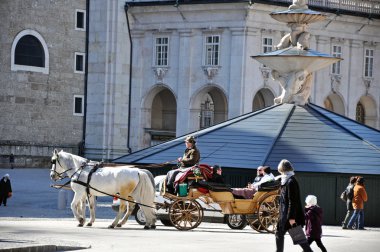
(236, 221)
(185, 214)
(255, 224)
(268, 212)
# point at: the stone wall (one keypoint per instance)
(37, 108)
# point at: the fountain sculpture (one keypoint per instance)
(293, 63)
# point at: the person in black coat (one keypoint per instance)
(217, 175)
(5, 189)
(291, 207)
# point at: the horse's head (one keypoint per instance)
(65, 164)
(57, 170)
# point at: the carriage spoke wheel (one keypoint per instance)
(268, 212)
(185, 214)
(255, 224)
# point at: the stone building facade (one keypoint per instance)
(191, 65)
(42, 79)
(160, 69)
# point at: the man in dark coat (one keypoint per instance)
(5, 189)
(190, 158)
(291, 209)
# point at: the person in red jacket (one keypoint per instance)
(360, 196)
(313, 221)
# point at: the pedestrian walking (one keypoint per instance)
(347, 196)
(5, 189)
(291, 209)
(12, 160)
(313, 221)
(360, 196)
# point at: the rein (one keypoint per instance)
(54, 162)
(88, 186)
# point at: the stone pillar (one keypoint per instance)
(108, 81)
(185, 121)
(236, 82)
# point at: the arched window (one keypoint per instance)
(360, 113)
(29, 52)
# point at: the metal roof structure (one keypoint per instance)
(311, 137)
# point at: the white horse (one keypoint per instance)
(126, 181)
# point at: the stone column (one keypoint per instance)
(236, 83)
(108, 81)
(185, 120)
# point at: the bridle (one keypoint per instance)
(59, 174)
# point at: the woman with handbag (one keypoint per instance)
(291, 209)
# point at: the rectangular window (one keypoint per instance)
(79, 62)
(80, 20)
(336, 52)
(368, 63)
(212, 49)
(78, 105)
(161, 51)
(267, 45)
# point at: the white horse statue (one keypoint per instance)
(127, 182)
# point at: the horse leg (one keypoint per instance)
(150, 214)
(130, 208)
(75, 206)
(122, 209)
(92, 206)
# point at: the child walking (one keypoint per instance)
(313, 221)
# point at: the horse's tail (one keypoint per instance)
(145, 193)
(150, 175)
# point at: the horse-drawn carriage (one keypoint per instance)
(185, 213)
(131, 184)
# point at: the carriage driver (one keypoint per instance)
(190, 157)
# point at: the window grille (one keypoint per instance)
(360, 113)
(267, 45)
(368, 63)
(212, 48)
(336, 52)
(29, 52)
(207, 113)
(162, 49)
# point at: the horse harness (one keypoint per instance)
(95, 167)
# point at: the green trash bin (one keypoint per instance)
(182, 192)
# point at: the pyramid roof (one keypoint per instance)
(311, 137)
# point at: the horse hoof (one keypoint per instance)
(110, 226)
(89, 225)
(80, 225)
(153, 227)
(146, 227)
(118, 225)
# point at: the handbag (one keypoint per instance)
(297, 234)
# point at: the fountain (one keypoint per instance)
(293, 63)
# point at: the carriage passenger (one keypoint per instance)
(267, 177)
(217, 175)
(190, 158)
(259, 176)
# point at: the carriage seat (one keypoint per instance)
(269, 186)
(215, 187)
